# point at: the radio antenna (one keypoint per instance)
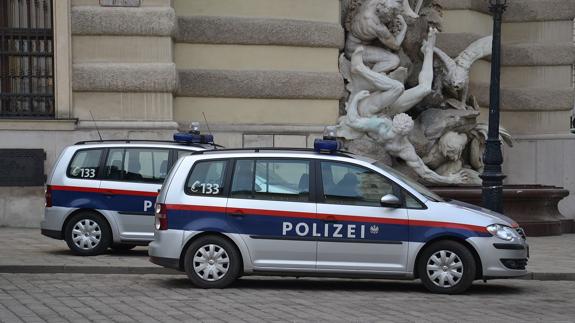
(209, 131)
(96, 125)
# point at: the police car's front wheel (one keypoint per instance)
(446, 267)
(212, 262)
(88, 234)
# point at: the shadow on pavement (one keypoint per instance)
(320, 284)
(123, 253)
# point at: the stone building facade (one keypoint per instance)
(265, 73)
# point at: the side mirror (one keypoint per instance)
(390, 200)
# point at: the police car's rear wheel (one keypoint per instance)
(446, 267)
(88, 234)
(212, 262)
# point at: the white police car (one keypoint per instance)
(102, 193)
(226, 213)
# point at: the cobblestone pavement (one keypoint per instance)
(25, 249)
(166, 298)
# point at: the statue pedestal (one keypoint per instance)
(534, 207)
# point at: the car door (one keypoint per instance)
(130, 183)
(270, 203)
(79, 188)
(359, 234)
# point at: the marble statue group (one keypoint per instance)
(409, 103)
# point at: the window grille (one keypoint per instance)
(26, 59)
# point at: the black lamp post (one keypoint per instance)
(492, 190)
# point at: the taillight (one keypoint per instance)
(48, 196)
(161, 217)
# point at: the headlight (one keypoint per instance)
(502, 232)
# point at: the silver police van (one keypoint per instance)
(296, 212)
(101, 194)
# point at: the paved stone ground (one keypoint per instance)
(166, 298)
(23, 250)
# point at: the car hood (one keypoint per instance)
(497, 218)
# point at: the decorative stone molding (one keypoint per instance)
(260, 84)
(528, 99)
(518, 54)
(520, 10)
(259, 31)
(148, 21)
(126, 77)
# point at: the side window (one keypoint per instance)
(353, 185)
(411, 202)
(113, 168)
(137, 165)
(146, 165)
(207, 178)
(85, 164)
(277, 180)
(243, 181)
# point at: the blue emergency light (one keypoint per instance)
(327, 145)
(193, 138)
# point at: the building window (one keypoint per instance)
(26, 59)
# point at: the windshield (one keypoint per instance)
(414, 184)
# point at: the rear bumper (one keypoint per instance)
(56, 234)
(166, 262)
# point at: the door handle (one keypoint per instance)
(236, 213)
(330, 219)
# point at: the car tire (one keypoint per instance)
(446, 267)
(212, 262)
(123, 247)
(88, 234)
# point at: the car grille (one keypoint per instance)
(521, 233)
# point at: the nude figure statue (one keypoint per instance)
(393, 136)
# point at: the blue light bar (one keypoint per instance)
(326, 146)
(192, 138)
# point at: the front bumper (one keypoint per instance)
(501, 259)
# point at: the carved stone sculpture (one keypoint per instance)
(404, 107)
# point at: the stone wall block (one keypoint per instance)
(148, 21)
(260, 84)
(520, 10)
(527, 99)
(127, 77)
(259, 31)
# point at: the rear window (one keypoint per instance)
(85, 164)
(207, 178)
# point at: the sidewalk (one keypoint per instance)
(26, 250)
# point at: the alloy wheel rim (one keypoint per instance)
(86, 234)
(211, 262)
(444, 268)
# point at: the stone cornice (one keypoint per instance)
(259, 31)
(260, 84)
(520, 10)
(124, 77)
(146, 21)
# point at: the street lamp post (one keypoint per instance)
(492, 189)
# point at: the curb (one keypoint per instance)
(108, 270)
(31, 269)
